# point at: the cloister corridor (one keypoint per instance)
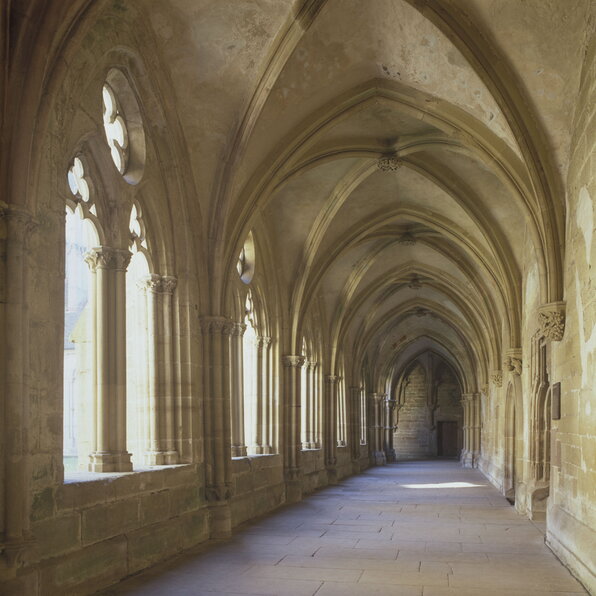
(422, 528)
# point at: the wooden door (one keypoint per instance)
(447, 439)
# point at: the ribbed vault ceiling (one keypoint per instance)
(285, 108)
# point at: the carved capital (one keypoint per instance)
(389, 163)
(293, 361)
(217, 325)
(168, 284)
(376, 397)
(496, 376)
(262, 342)
(292, 474)
(238, 329)
(105, 257)
(150, 282)
(217, 493)
(513, 361)
(552, 320)
(331, 379)
(19, 222)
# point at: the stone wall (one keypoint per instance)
(413, 437)
(258, 486)
(314, 475)
(91, 534)
(571, 514)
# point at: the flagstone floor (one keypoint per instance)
(426, 528)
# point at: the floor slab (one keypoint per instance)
(427, 528)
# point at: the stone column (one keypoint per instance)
(15, 354)
(389, 429)
(315, 413)
(216, 334)
(162, 408)
(264, 395)
(307, 407)
(376, 451)
(330, 442)
(341, 413)
(471, 429)
(238, 448)
(260, 397)
(291, 438)
(108, 267)
(354, 420)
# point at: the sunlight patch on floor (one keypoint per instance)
(444, 485)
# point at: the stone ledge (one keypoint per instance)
(105, 488)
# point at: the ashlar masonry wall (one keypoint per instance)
(571, 514)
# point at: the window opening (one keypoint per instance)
(249, 356)
(79, 345)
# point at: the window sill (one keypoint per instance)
(84, 476)
(254, 456)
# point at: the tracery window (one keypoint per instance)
(119, 373)
(115, 129)
(246, 260)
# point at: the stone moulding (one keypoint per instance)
(552, 320)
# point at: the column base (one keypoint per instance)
(293, 485)
(220, 520)
(469, 459)
(239, 451)
(537, 500)
(378, 458)
(331, 474)
(260, 449)
(390, 455)
(109, 461)
(13, 549)
(160, 458)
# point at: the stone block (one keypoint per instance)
(194, 528)
(56, 536)
(105, 521)
(43, 504)
(78, 495)
(86, 571)
(23, 585)
(139, 482)
(184, 499)
(153, 543)
(155, 507)
(181, 475)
